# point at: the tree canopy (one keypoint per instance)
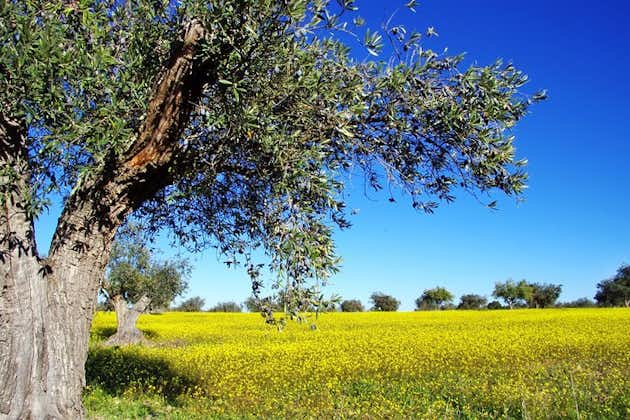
(544, 295)
(231, 123)
(136, 282)
(226, 307)
(472, 301)
(277, 112)
(384, 302)
(616, 290)
(434, 298)
(192, 304)
(351, 305)
(513, 293)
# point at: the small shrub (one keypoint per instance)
(495, 304)
(226, 307)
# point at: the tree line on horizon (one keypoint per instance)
(522, 294)
(509, 294)
(136, 282)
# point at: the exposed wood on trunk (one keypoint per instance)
(46, 308)
(170, 105)
(126, 318)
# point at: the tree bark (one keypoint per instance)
(47, 305)
(126, 318)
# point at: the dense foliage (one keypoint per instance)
(513, 293)
(447, 364)
(192, 304)
(616, 290)
(472, 301)
(279, 114)
(435, 298)
(351, 305)
(495, 304)
(226, 307)
(384, 302)
(577, 303)
(544, 295)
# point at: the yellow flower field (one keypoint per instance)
(556, 363)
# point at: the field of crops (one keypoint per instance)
(572, 363)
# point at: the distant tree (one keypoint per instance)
(352, 305)
(274, 303)
(616, 290)
(434, 298)
(226, 307)
(383, 302)
(193, 304)
(472, 301)
(252, 304)
(135, 283)
(544, 295)
(495, 304)
(578, 303)
(329, 305)
(296, 301)
(514, 294)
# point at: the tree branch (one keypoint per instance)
(102, 202)
(142, 304)
(170, 105)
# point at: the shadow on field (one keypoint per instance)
(103, 333)
(117, 370)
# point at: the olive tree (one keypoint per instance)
(252, 304)
(351, 305)
(192, 304)
(434, 298)
(472, 301)
(544, 295)
(384, 302)
(136, 282)
(226, 307)
(231, 123)
(616, 290)
(513, 293)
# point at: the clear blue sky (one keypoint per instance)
(574, 226)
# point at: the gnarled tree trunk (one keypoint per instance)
(47, 305)
(126, 319)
